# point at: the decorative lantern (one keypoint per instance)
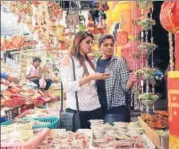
(169, 16)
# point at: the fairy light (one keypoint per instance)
(170, 38)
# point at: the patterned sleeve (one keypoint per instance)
(66, 74)
(124, 73)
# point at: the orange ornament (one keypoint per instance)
(169, 16)
(122, 37)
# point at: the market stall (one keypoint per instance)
(30, 116)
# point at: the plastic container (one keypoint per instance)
(54, 121)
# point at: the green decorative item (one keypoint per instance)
(147, 48)
(145, 4)
(145, 23)
(147, 73)
(148, 96)
(148, 99)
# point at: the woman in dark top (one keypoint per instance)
(112, 91)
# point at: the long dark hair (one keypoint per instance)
(75, 50)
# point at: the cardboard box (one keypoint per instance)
(159, 141)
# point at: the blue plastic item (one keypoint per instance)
(52, 122)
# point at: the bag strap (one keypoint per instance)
(62, 98)
(76, 95)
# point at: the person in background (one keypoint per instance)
(33, 73)
(89, 105)
(112, 91)
(9, 77)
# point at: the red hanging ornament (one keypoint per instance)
(169, 16)
(36, 3)
(122, 38)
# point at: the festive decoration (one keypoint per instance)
(133, 58)
(171, 52)
(147, 73)
(148, 97)
(177, 51)
(145, 23)
(145, 4)
(169, 16)
(173, 102)
(122, 38)
(123, 14)
(147, 48)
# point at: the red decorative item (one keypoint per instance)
(169, 16)
(130, 51)
(173, 102)
(122, 38)
(36, 3)
(14, 102)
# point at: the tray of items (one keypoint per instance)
(39, 112)
(119, 136)
(156, 127)
(21, 135)
(157, 121)
(45, 122)
(62, 139)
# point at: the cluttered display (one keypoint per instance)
(100, 136)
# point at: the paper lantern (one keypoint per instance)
(122, 37)
(169, 16)
(130, 52)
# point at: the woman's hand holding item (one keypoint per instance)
(100, 76)
(95, 76)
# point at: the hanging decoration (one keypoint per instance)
(132, 55)
(146, 48)
(41, 18)
(146, 74)
(145, 5)
(169, 16)
(169, 19)
(145, 23)
(122, 38)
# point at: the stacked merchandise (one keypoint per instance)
(121, 135)
(21, 135)
(18, 98)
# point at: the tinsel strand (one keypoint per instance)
(171, 51)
